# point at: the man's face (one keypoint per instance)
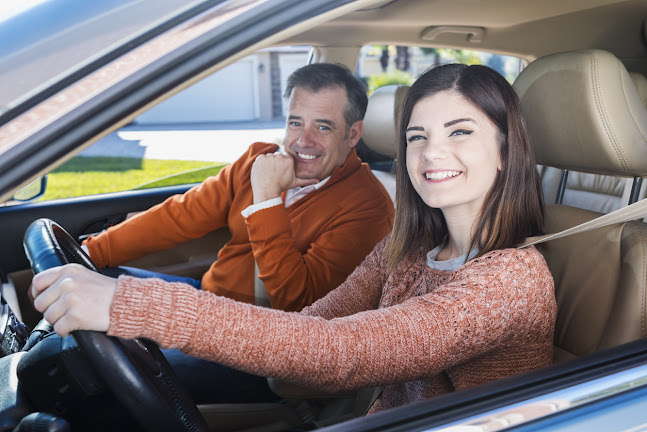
(316, 134)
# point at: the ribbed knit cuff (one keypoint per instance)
(268, 223)
(152, 308)
(261, 206)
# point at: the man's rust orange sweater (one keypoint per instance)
(302, 252)
(418, 331)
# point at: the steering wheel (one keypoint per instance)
(135, 371)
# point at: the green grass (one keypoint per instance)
(83, 175)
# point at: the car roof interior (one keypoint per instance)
(525, 28)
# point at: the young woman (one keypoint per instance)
(443, 303)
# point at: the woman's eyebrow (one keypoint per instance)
(414, 128)
(453, 122)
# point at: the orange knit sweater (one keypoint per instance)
(417, 331)
(302, 252)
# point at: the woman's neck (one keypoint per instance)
(459, 239)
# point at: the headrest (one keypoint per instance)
(381, 119)
(584, 113)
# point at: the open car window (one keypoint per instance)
(190, 136)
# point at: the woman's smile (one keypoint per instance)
(437, 176)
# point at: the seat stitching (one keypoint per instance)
(602, 109)
(633, 115)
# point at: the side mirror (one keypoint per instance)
(33, 190)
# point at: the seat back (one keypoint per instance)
(595, 192)
(381, 128)
(584, 114)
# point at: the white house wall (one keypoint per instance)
(231, 94)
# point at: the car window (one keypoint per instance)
(381, 65)
(191, 135)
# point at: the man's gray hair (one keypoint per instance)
(318, 76)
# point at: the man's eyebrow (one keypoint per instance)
(321, 121)
(453, 122)
(326, 122)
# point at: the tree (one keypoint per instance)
(384, 58)
(402, 58)
(433, 52)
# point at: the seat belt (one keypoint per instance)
(637, 210)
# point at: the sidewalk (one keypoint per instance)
(217, 142)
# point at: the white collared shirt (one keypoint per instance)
(291, 196)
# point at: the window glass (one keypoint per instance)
(191, 135)
(381, 65)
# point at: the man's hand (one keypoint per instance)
(272, 174)
(72, 297)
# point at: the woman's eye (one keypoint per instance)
(461, 132)
(413, 138)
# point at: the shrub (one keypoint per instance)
(383, 79)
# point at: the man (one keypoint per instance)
(306, 216)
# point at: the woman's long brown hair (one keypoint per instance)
(513, 209)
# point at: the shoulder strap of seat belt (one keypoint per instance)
(634, 211)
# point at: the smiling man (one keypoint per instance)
(305, 215)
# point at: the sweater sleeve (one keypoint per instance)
(294, 279)
(180, 218)
(413, 340)
(360, 292)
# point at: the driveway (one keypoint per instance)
(217, 142)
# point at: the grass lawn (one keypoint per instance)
(83, 175)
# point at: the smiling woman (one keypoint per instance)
(468, 157)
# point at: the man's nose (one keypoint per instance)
(306, 138)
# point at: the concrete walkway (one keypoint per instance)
(218, 142)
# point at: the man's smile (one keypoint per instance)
(306, 156)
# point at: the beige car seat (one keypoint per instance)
(594, 191)
(585, 114)
(380, 127)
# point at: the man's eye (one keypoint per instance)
(461, 132)
(324, 128)
(294, 124)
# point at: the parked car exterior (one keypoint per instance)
(74, 72)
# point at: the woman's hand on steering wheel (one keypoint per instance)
(72, 297)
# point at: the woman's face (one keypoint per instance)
(452, 154)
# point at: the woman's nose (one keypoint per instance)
(434, 151)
